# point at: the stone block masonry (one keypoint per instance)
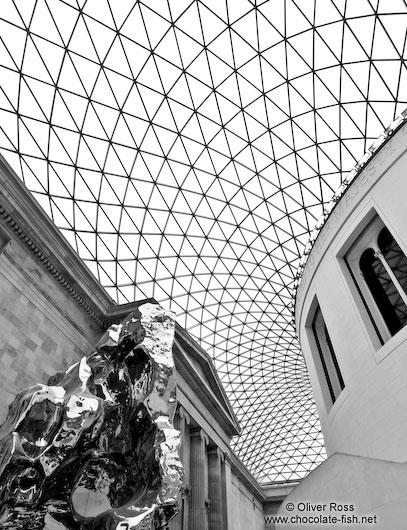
(42, 330)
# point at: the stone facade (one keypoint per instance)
(43, 325)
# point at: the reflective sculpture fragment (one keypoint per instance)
(95, 448)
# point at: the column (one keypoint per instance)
(185, 459)
(184, 422)
(198, 517)
(215, 457)
(181, 422)
(379, 255)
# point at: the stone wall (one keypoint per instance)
(51, 306)
(42, 329)
(247, 509)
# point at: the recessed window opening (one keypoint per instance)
(327, 356)
(385, 272)
(394, 256)
(378, 266)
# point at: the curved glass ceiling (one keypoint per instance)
(187, 148)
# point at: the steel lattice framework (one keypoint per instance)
(187, 149)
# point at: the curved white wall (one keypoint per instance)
(369, 418)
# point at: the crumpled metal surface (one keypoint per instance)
(95, 448)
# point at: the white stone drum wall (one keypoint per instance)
(370, 416)
(361, 493)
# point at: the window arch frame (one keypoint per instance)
(367, 240)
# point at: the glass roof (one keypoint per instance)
(187, 149)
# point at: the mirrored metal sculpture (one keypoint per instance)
(95, 448)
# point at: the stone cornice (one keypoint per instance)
(115, 313)
(183, 414)
(25, 219)
(244, 475)
(200, 433)
(278, 491)
(215, 451)
(218, 402)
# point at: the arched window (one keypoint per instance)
(394, 256)
(377, 263)
(384, 292)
